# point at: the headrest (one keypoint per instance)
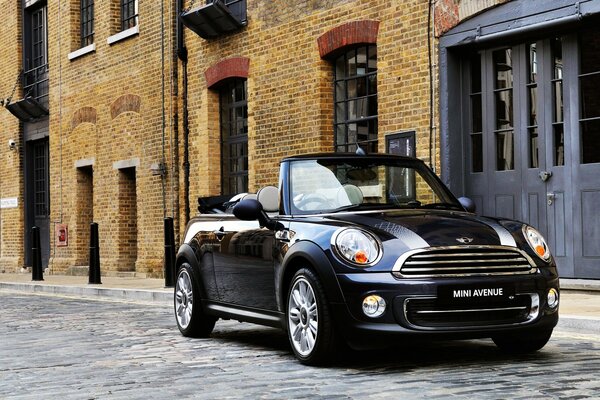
(269, 198)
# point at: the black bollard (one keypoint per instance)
(169, 261)
(94, 255)
(37, 273)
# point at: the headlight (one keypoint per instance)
(537, 243)
(356, 246)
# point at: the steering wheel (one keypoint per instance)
(313, 201)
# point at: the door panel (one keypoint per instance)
(590, 202)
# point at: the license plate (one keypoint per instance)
(478, 293)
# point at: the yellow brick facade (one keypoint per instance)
(116, 111)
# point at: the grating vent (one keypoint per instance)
(464, 261)
(428, 313)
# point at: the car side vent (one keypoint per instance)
(464, 261)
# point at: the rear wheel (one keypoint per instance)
(522, 344)
(191, 320)
(309, 325)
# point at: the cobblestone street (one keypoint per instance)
(65, 348)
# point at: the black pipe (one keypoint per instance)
(169, 261)
(183, 56)
(94, 273)
(37, 273)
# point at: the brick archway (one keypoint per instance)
(235, 67)
(348, 34)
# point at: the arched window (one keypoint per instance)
(355, 80)
(234, 136)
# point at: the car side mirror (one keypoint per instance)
(252, 210)
(468, 204)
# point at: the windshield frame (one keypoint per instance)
(286, 182)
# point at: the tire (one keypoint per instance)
(191, 320)
(308, 320)
(522, 343)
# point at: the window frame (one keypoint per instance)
(86, 23)
(342, 100)
(233, 180)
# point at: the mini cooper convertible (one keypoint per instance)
(364, 250)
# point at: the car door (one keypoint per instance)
(244, 268)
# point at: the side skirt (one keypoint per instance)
(244, 314)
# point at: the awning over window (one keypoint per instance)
(27, 109)
(211, 20)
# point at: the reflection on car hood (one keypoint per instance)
(433, 228)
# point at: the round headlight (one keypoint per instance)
(357, 246)
(537, 243)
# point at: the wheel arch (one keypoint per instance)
(308, 254)
(186, 254)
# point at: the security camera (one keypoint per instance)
(12, 144)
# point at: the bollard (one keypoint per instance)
(94, 276)
(37, 273)
(169, 261)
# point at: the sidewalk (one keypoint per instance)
(118, 288)
(579, 307)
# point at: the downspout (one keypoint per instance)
(183, 56)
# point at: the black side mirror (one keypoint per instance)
(252, 210)
(468, 204)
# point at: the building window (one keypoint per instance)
(503, 97)
(87, 22)
(36, 55)
(589, 82)
(558, 120)
(476, 131)
(355, 98)
(129, 14)
(234, 136)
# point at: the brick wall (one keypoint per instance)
(106, 114)
(11, 161)
(290, 93)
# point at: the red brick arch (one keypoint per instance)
(84, 114)
(348, 34)
(235, 67)
(127, 102)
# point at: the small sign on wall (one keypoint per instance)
(62, 235)
(9, 202)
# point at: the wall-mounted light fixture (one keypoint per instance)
(12, 145)
(158, 169)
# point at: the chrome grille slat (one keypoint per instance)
(466, 261)
(463, 261)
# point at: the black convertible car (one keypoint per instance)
(364, 250)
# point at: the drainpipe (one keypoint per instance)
(183, 56)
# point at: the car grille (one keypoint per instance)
(428, 313)
(463, 261)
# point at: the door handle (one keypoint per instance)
(545, 175)
(550, 197)
(220, 233)
(284, 235)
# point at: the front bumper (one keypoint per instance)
(416, 308)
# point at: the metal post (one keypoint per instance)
(94, 277)
(169, 261)
(37, 273)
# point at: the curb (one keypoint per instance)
(151, 296)
(580, 284)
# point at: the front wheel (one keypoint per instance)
(309, 325)
(190, 317)
(522, 344)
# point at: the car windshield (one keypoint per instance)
(330, 185)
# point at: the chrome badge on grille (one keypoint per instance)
(464, 240)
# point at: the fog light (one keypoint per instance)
(373, 306)
(552, 298)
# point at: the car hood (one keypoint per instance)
(420, 229)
